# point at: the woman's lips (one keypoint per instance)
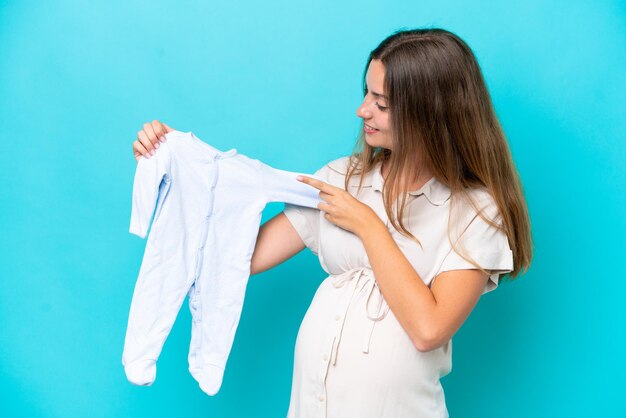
(369, 129)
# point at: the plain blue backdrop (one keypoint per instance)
(280, 81)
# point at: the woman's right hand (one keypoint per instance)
(149, 138)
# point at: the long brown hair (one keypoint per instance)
(441, 116)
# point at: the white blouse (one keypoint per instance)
(343, 367)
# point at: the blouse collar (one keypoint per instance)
(436, 192)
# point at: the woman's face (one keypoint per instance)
(374, 110)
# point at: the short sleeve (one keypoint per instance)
(485, 244)
(305, 220)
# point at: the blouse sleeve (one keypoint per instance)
(306, 220)
(485, 244)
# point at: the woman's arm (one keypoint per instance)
(430, 316)
(277, 241)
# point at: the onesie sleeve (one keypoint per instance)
(282, 186)
(306, 220)
(487, 245)
(150, 174)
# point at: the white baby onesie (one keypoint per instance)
(205, 206)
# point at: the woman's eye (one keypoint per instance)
(383, 108)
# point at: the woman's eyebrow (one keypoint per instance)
(378, 95)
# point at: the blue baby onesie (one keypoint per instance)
(205, 207)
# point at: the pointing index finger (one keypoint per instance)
(320, 185)
(309, 180)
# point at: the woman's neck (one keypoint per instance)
(424, 177)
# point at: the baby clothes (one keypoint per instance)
(205, 207)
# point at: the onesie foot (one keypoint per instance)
(141, 372)
(209, 378)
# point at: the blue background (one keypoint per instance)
(280, 81)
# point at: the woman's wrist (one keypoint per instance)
(371, 229)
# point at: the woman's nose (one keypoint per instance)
(363, 112)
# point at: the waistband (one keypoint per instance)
(360, 278)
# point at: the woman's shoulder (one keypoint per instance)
(481, 195)
(335, 168)
(477, 201)
(339, 164)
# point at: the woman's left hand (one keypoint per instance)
(341, 208)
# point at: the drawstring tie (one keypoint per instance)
(362, 278)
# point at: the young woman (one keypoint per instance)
(424, 217)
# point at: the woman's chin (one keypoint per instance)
(376, 143)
